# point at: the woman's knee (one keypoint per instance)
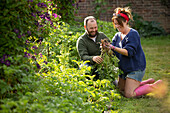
(129, 94)
(121, 84)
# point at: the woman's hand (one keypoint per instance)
(110, 46)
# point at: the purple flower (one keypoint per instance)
(7, 62)
(23, 35)
(41, 25)
(29, 33)
(19, 36)
(38, 13)
(33, 57)
(55, 15)
(28, 54)
(25, 55)
(42, 5)
(51, 23)
(46, 14)
(30, 0)
(50, 4)
(37, 23)
(38, 66)
(40, 55)
(47, 18)
(2, 60)
(39, 4)
(27, 42)
(16, 31)
(5, 56)
(33, 14)
(45, 5)
(42, 16)
(35, 47)
(45, 62)
(77, 5)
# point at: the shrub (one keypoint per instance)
(147, 28)
(23, 22)
(37, 64)
(67, 9)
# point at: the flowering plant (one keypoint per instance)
(23, 26)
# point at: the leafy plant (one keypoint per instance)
(108, 69)
(147, 28)
(98, 9)
(107, 28)
(38, 64)
(67, 9)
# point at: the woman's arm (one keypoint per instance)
(121, 51)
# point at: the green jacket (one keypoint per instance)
(87, 48)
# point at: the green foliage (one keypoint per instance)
(63, 89)
(99, 7)
(147, 28)
(22, 23)
(39, 63)
(106, 69)
(66, 9)
(15, 22)
(107, 28)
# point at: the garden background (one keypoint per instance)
(39, 64)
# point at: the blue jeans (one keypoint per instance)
(136, 75)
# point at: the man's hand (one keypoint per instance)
(97, 59)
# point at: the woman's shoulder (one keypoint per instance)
(133, 32)
(118, 34)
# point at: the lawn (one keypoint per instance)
(158, 67)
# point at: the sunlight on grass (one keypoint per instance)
(161, 91)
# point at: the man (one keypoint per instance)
(88, 45)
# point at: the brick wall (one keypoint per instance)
(150, 10)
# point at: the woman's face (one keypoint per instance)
(119, 27)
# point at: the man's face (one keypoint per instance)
(92, 28)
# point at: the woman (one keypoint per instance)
(127, 47)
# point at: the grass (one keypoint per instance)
(157, 52)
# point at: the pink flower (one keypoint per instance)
(55, 15)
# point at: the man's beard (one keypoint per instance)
(90, 35)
